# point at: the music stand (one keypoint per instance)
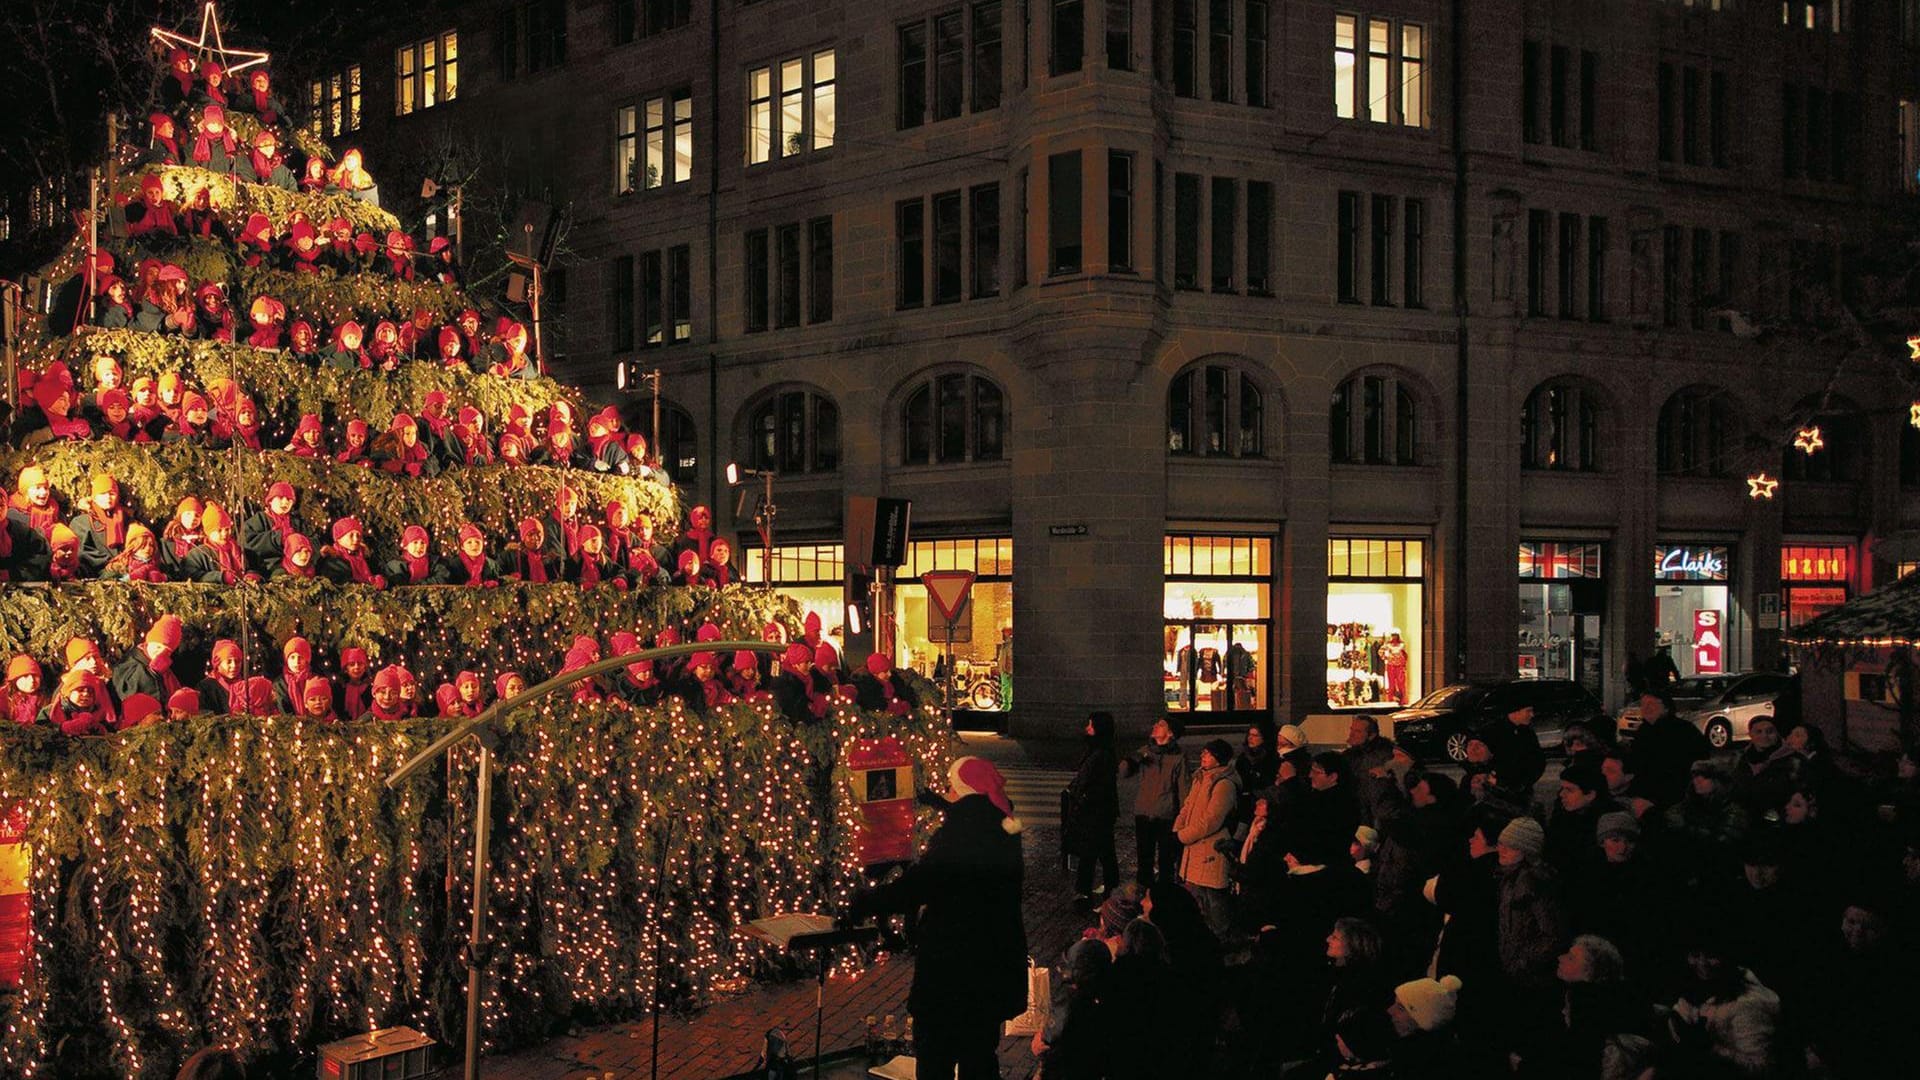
(819, 936)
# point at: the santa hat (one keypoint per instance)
(31, 477)
(977, 776)
(184, 700)
(446, 697)
(47, 394)
(166, 630)
(668, 635)
(745, 660)
(1429, 1002)
(689, 561)
(259, 694)
(194, 402)
(437, 399)
(116, 398)
(137, 709)
(297, 542)
(188, 504)
(449, 335)
(266, 309)
(531, 532)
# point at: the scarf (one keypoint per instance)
(71, 721)
(295, 686)
(381, 714)
(437, 424)
(417, 569)
(263, 104)
(570, 529)
(287, 564)
(232, 560)
(715, 692)
(354, 697)
(474, 450)
(24, 708)
(589, 570)
(409, 460)
(68, 427)
(182, 541)
(532, 566)
(477, 569)
(263, 164)
(249, 436)
(112, 523)
(356, 562)
(172, 143)
(203, 144)
(42, 519)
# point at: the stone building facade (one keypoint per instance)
(1225, 338)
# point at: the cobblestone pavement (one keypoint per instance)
(725, 1039)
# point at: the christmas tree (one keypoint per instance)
(264, 546)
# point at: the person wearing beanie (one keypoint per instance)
(64, 560)
(1572, 844)
(345, 561)
(1704, 830)
(389, 695)
(264, 534)
(101, 526)
(353, 689)
(880, 688)
(792, 686)
(218, 559)
(970, 966)
(140, 709)
(25, 692)
(415, 564)
(1162, 768)
(183, 704)
(224, 690)
(1291, 737)
(1255, 767)
(1422, 1017)
(317, 702)
(1202, 830)
(148, 667)
(296, 669)
(80, 706)
(1532, 931)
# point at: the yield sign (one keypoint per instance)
(948, 590)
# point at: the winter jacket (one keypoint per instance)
(1202, 824)
(1093, 799)
(970, 948)
(1741, 1030)
(1164, 777)
(1518, 761)
(1532, 923)
(1663, 756)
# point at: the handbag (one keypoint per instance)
(1039, 1002)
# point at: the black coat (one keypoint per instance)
(1518, 761)
(1663, 756)
(970, 946)
(1093, 800)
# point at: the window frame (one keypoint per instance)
(420, 74)
(812, 100)
(979, 424)
(334, 103)
(1374, 420)
(1560, 425)
(818, 452)
(1191, 430)
(1400, 59)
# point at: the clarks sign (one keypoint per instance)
(1680, 563)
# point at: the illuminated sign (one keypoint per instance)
(1706, 642)
(1805, 563)
(1558, 561)
(1678, 562)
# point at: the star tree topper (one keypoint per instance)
(233, 60)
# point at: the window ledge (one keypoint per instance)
(991, 465)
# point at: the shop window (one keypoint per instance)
(980, 652)
(1693, 608)
(1215, 411)
(1560, 429)
(1815, 578)
(955, 417)
(1840, 457)
(813, 576)
(1218, 623)
(795, 431)
(1376, 604)
(1562, 604)
(1696, 433)
(1374, 421)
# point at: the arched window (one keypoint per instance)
(795, 431)
(1374, 421)
(1215, 411)
(953, 417)
(1560, 429)
(1697, 434)
(679, 449)
(1841, 451)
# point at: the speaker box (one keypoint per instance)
(530, 239)
(877, 530)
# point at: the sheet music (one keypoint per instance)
(780, 930)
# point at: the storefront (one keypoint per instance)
(981, 650)
(812, 576)
(1814, 578)
(1376, 621)
(1563, 599)
(1693, 607)
(1218, 616)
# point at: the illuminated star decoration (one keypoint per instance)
(233, 60)
(1808, 440)
(1913, 414)
(1760, 486)
(1913, 347)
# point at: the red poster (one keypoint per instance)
(1706, 642)
(882, 785)
(15, 915)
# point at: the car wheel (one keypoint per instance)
(1719, 734)
(1456, 745)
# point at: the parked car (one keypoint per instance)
(1722, 706)
(1437, 726)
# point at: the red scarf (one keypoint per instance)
(532, 566)
(417, 569)
(41, 519)
(589, 570)
(409, 461)
(437, 424)
(354, 696)
(474, 450)
(382, 714)
(295, 685)
(173, 148)
(569, 528)
(24, 708)
(286, 563)
(477, 569)
(249, 436)
(263, 105)
(69, 427)
(113, 524)
(184, 542)
(282, 523)
(203, 147)
(356, 561)
(262, 165)
(232, 560)
(716, 693)
(70, 721)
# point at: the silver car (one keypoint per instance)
(1722, 706)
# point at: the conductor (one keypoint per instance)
(971, 948)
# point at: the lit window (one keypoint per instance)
(1393, 87)
(333, 104)
(425, 73)
(806, 119)
(653, 143)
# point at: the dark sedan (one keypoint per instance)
(1436, 727)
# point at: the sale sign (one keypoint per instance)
(882, 783)
(1707, 641)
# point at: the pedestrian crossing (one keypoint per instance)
(1036, 792)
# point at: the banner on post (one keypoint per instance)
(882, 786)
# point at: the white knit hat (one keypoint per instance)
(1293, 736)
(1430, 1002)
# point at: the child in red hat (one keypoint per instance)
(470, 565)
(344, 562)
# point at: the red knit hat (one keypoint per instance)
(137, 709)
(878, 665)
(280, 490)
(186, 700)
(796, 655)
(316, 688)
(825, 657)
(166, 631)
(346, 525)
(413, 533)
(977, 776)
(390, 677)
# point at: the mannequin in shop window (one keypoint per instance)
(1240, 671)
(1209, 678)
(1393, 654)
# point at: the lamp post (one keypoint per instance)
(763, 515)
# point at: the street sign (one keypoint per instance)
(948, 590)
(1066, 530)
